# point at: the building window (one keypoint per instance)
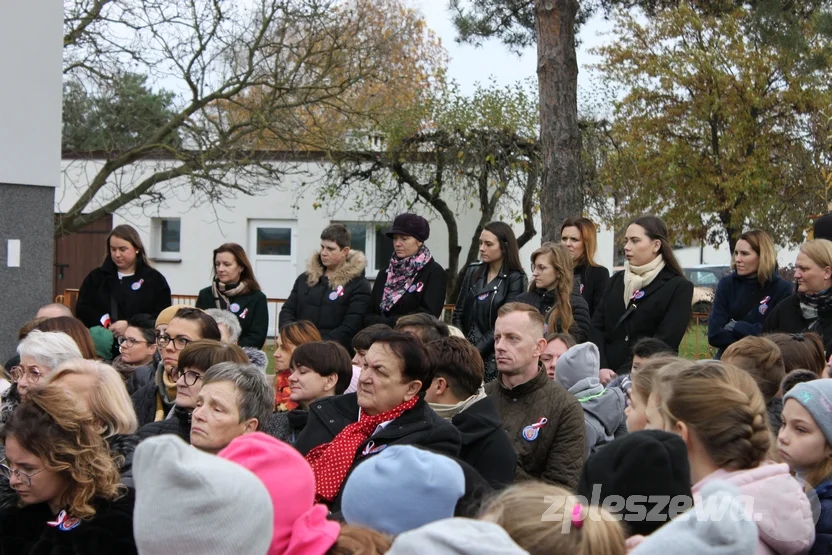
(274, 241)
(170, 235)
(166, 239)
(369, 238)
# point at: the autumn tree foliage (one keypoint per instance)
(718, 129)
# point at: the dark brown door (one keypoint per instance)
(78, 253)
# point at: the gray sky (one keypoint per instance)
(469, 64)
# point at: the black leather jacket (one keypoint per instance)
(475, 312)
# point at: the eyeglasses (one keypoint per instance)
(7, 471)
(539, 267)
(188, 376)
(32, 373)
(179, 343)
(131, 342)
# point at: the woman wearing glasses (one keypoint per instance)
(194, 360)
(154, 401)
(553, 293)
(67, 483)
(137, 359)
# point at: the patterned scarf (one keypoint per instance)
(331, 461)
(222, 291)
(400, 275)
(282, 392)
(811, 304)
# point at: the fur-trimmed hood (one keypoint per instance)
(352, 268)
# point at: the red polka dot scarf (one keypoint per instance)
(331, 461)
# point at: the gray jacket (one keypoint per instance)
(604, 418)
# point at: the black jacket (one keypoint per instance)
(23, 531)
(336, 305)
(428, 296)
(788, 318)
(145, 292)
(144, 399)
(475, 311)
(179, 424)
(122, 447)
(485, 444)
(741, 299)
(592, 282)
(251, 310)
(286, 425)
(663, 312)
(544, 301)
(418, 426)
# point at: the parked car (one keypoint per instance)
(705, 278)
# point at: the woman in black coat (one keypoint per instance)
(745, 298)
(332, 293)
(554, 294)
(487, 286)
(650, 298)
(124, 285)
(235, 289)
(580, 237)
(413, 281)
(810, 309)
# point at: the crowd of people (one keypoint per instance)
(550, 416)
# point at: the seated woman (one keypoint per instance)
(98, 388)
(139, 355)
(75, 329)
(67, 483)
(194, 360)
(319, 369)
(290, 337)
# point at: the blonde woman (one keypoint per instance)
(66, 482)
(98, 388)
(553, 293)
(745, 298)
(810, 309)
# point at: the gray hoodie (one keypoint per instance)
(456, 536)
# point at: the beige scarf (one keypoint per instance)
(449, 411)
(639, 277)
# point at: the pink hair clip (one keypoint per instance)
(577, 520)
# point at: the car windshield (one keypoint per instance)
(706, 277)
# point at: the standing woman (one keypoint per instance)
(488, 285)
(744, 298)
(124, 285)
(67, 482)
(650, 298)
(810, 309)
(580, 237)
(554, 294)
(235, 289)
(413, 281)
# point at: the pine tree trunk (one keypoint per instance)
(561, 194)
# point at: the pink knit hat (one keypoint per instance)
(300, 525)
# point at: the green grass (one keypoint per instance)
(269, 350)
(695, 343)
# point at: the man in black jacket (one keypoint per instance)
(456, 394)
(386, 410)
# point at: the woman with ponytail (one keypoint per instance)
(653, 283)
(719, 412)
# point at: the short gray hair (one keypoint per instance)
(227, 319)
(49, 349)
(255, 397)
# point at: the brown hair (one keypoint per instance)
(239, 254)
(73, 328)
(800, 351)
(325, 358)
(355, 540)
(364, 338)
(534, 315)
(338, 234)
(128, 233)
(518, 511)
(428, 327)
(49, 425)
(459, 362)
(26, 328)
(761, 358)
(560, 316)
(207, 326)
(567, 339)
(761, 243)
(300, 332)
(723, 407)
(644, 378)
(203, 354)
(589, 235)
(655, 228)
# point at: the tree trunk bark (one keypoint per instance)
(561, 193)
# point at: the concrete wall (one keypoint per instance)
(30, 142)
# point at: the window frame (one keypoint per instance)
(370, 244)
(156, 252)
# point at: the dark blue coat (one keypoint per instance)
(739, 298)
(823, 528)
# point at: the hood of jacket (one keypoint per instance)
(780, 507)
(477, 421)
(607, 407)
(352, 268)
(161, 389)
(10, 400)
